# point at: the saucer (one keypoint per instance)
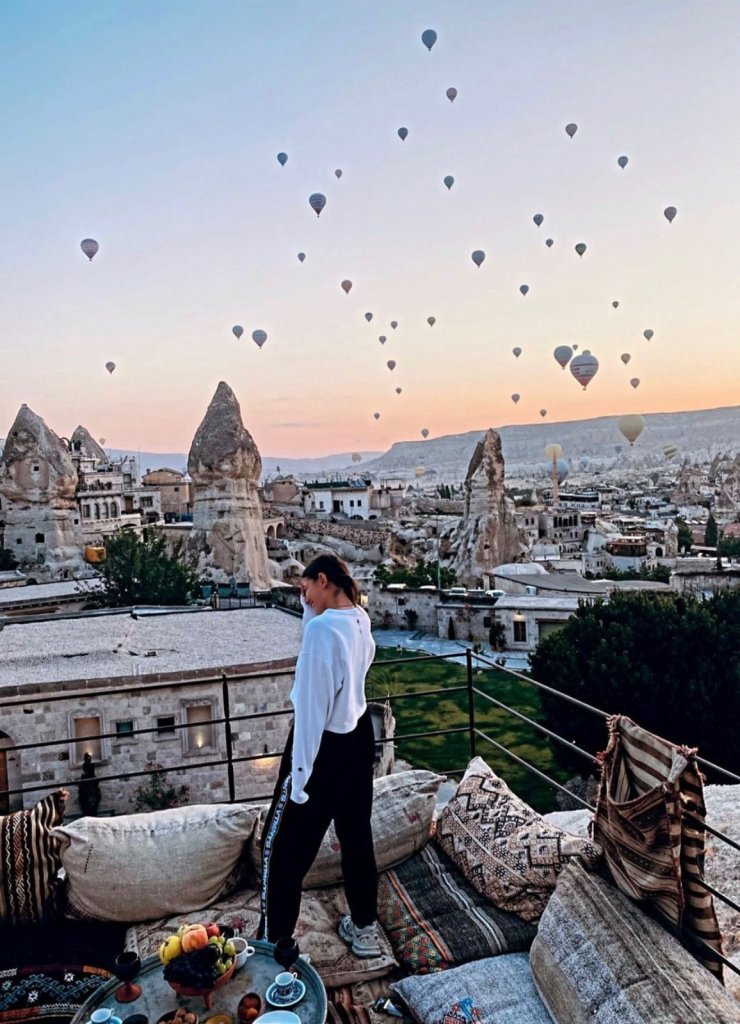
(295, 996)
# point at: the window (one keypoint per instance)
(125, 728)
(487, 621)
(40, 538)
(321, 506)
(520, 631)
(19, 540)
(177, 488)
(351, 503)
(199, 733)
(166, 725)
(147, 502)
(84, 728)
(114, 510)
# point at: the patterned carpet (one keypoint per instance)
(47, 972)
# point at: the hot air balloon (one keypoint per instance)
(451, 94)
(391, 364)
(563, 469)
(449, 180)
(635, 382)
(382, 339)
(618, 448)
(425, 432)
(517, 352)
(563, 355)
(420, 471)
(356, 457)
(648, 334)
(623, 161)
(89, 246)
(346, 287)
(584, 368)
(477, 256)
(549, 243)
(538, 218)
(431, 320)
(301, 256)
(317, 202)
(575, 348)
(625, 357)
(402, 133)
(553, 452)
(110, 367)
(615, 304)
(368, 317)
(515, 398)
(543, 413)
(237, 330)
(338, 172)
(394, 324)
(630, 427)
(669, 213)
(399, 390)
(102, 441)
(571, 129)
(282, 159)
(376, 415)
(581, 248)
(429, 37)
(670, 450)
(259, 337)
(524, 288)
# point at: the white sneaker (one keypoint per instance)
(364, 941)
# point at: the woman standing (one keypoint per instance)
(326, 773)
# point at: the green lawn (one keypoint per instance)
(446, 711)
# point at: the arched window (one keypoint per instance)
(113, 510)
(106, 511)
(97, 510)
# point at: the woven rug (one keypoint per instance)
(47, 972)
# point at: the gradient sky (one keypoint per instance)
(153, 126)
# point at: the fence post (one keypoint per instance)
(227, 735)
(471, 700)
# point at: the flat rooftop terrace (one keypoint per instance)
(105, 646)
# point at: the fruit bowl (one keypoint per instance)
(206, 993)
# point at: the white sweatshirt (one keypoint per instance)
(329, 689)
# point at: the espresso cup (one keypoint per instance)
(284, 983)
(101, 1016)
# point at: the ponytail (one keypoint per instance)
(336, 572)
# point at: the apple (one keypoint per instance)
(212, 929)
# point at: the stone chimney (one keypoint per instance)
(225, 466)
(38, 482)
(487, 535)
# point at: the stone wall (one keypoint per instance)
(387, 608)
(366, 535)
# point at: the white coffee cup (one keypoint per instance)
(101, 1016)
(243, 952)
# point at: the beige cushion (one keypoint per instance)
(142, 866)
(316, 933)
(503, 847)
(403, 808)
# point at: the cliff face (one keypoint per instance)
(225, 467)
(38, 482)
(487, 535)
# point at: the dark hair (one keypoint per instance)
(336, 572)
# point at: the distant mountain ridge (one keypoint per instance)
(697, 434)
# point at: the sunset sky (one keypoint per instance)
(153, 126)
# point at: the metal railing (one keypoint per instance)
(227, 720)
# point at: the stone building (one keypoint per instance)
(487, 535)
(174, 490)
(224, 464)
(38, 483)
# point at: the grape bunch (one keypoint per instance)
(200, 968)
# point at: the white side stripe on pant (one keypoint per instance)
(267, 850)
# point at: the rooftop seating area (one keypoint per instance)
(490, 911)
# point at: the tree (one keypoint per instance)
(658, 574)
(6, 560)
(497, 635)
(422, 574)
(141, 570)
(685, 536)
(711, 533)
(667, 661)
(157, 794)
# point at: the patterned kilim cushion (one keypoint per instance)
(495, 991)
(436, 920)
(503, 847)
(29, 861)
(49, 994)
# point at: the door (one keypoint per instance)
(4, 798)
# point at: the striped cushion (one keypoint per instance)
(29, 861)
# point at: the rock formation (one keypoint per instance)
(38, 481)
(225, 466)
(487, 535)
(83, 442)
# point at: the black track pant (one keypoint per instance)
(340, 789)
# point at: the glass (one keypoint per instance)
(286, 952)
(126, 967)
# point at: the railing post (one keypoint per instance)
(227, 734)
(471, 700)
